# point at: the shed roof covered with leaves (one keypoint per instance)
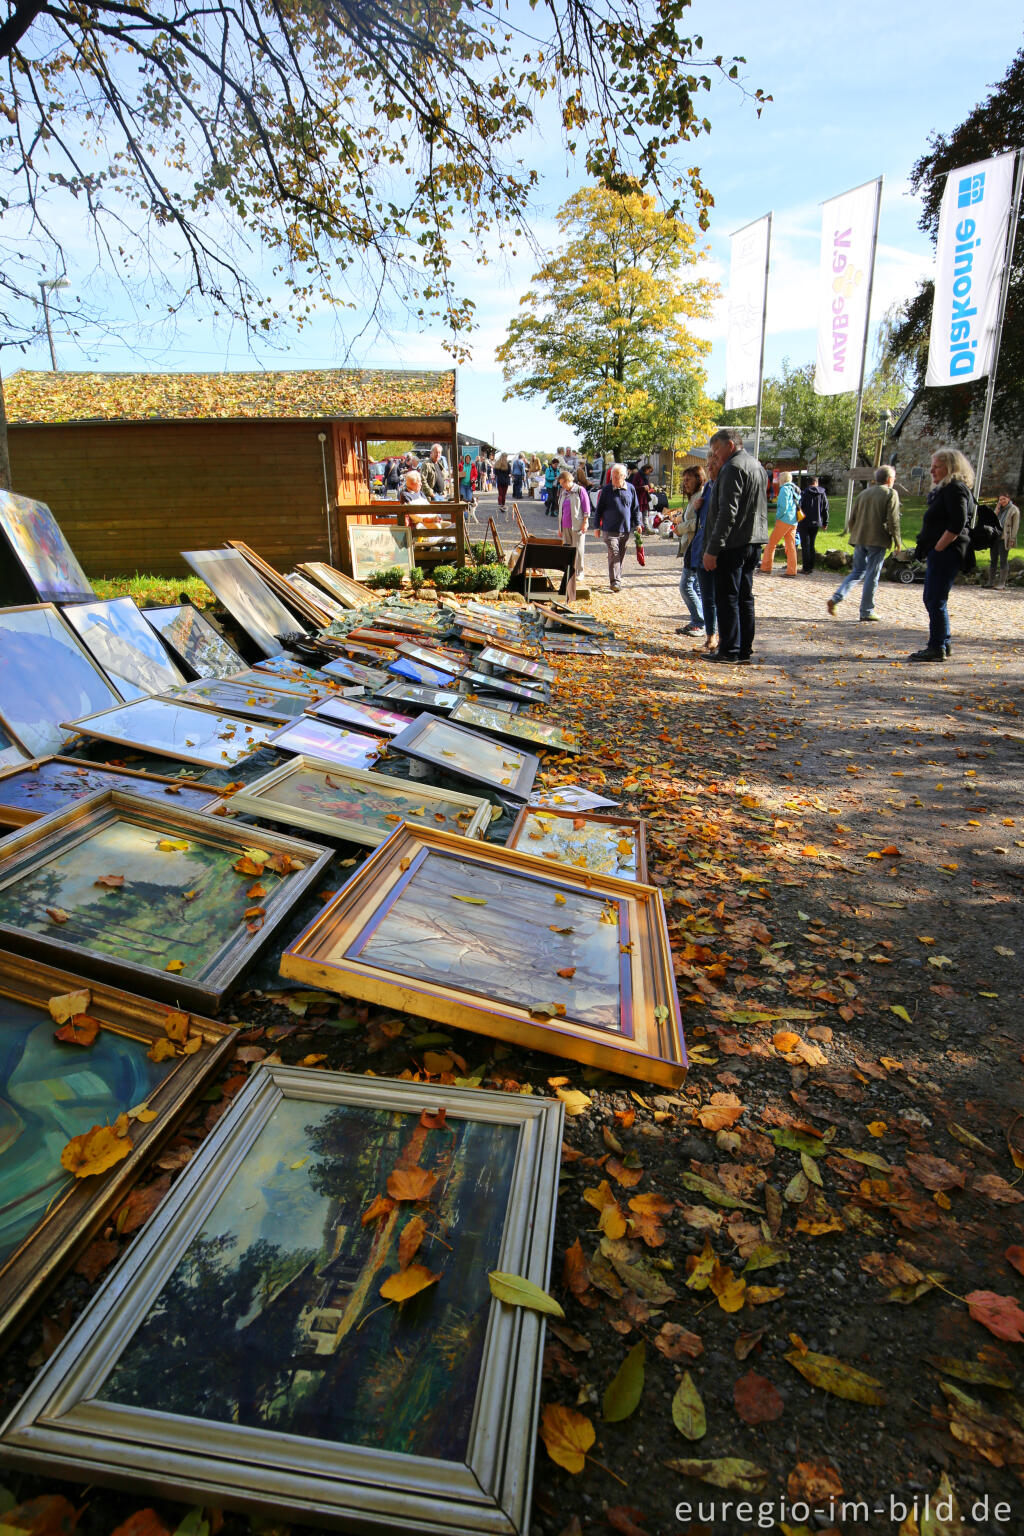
(361, 394)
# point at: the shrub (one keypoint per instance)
(483, 553)
(391, 578)
(417, 576)
(445, 577)
(492, 578)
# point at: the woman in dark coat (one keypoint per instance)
(502, 476)
(943, 543)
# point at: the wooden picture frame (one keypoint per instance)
(359, 802)
(558, 616)
(46, 674)
(296, 676)
(61, 781)
(515, 661)
(128, 650)
(249, 701)
(73, 1209)
(377, 547)
(351, 594)
(369, 655)
(310, 612)
(170, 729)
(321, 601)
(428, 922)
(119, 1403)
(520, 730)
(279, 682)
(48, 569)
(254, 607)
(180, 902)
(366, 717)
(190, 636)
(330, 743)
(595, 842)
(491, 533)
(449, 748)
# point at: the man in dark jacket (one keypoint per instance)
(814, 506)
(616, 518)
(736, 531)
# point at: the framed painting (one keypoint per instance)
(507, 617)
(356, 806)
(321, 601)
(148, 896)
(483, 682)
(511, 661)
(245, 1350)
(515, 728)
(12, 755)
(250, 702)
(193, 639)
(380, 722)
(46, 676)
(351, 594)
(608, 845)
(419, 699)
(181, 731)
(128, 649)
(432, 655)
(313, 613)
(453, 749)
(345, 671)
(558, 616)
(332, 744)
(420, 672)
(280, 682)
(369, 655)
(50, 784)
(411, 618)
(53, 1091)
(40, 552)
(377, 547)
(249, 600)
(428, 924)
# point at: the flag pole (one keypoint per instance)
(864, 350)
(1004, 289)
(764, 322)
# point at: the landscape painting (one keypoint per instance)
(274, 1319)
(452, 921)
(50, 1092)
(42, 551)
(129, 651)
(283, 670)
(605, 846)
(348, 712)
(45, 678)
(194, 639)
(246, 597)
(378, 547)
(541, 733)
(452, 748)
(36, 789)
(312, 594)
(316, 738)
(182, 731)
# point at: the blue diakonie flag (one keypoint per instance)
(969, 261)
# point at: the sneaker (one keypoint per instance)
(732, 657)
(927, 655)
(870, 618)
(832, 605)
(692, 629)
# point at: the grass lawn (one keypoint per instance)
(154, 591)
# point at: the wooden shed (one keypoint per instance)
(139, 466)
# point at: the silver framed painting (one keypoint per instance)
(46, 677)
(323, 1403)
(245, 595)
(128, 649)
(181, 731)
(191, 636)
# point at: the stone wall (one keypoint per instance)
(918, 440)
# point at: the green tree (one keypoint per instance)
(820, 427)
(602, 333)
(995, 126)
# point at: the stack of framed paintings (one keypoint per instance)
(377, 547)
(330, 743)
(608, 845)
(250, 602)
(380, 722)
(50, 784)
(129, 650)
(420, 672)
(321, 601)
(309, 1392)
(243, 699)
(429, 922)
(412, 618)
(54, 1090)
(39, 564)
(512, 661)
(351, 594)
(169, 729)
(46, 677)
(355, 806)
(452, 749)
(368, 655)
(312, 612)
(519, 729)
(148, 896)
(192, 638)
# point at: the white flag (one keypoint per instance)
(748, 277)
(844, 282)
(968, 270)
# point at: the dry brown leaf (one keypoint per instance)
(412, 1236)
(411, 1183)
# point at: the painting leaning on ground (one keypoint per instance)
(41, 550)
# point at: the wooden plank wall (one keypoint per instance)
(131, 497)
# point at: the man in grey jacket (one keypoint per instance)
(736, 531)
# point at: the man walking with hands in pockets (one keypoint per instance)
(737, 529)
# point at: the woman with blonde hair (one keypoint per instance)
(786, 520)
(943, 542)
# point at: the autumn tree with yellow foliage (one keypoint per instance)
(603, 335)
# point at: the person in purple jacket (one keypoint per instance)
(616, 518)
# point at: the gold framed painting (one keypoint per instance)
(544, 734)
(31, 790)
(452, 749)
(351, 594)
(608, 845)
(163, 901)
(356, 806)
(55, 1090)
(427, 924)
(246, 1352)
(514, 661)
(313, 613)
(377, 547)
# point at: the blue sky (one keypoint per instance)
(856, 93)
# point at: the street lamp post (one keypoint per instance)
(49, 285)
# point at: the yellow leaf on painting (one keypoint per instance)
(411, 1183)
(94, 1151)
(173, 845)
(408, 1282)
(567, 1436)
(560, 902)
(176, 1026)
(175, 966)
(68, 1004)
(472, 901)
(161, 1050)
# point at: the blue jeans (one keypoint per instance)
(689, 591)
(706, 582)
(867, 567)
(942, 569)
